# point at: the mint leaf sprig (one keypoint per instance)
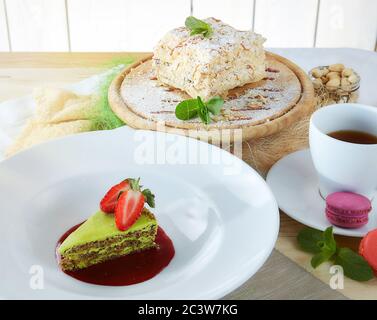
(198, 27)
(324, 248)
(192, 108)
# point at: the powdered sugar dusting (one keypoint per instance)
(210, 66)
(224, 39)
(250, 105)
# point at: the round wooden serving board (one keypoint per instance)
(259, 109)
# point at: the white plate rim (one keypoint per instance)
(230, 286)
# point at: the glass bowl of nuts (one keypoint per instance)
(335, 84)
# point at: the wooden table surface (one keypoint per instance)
(279, 278)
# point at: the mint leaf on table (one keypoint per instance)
(309, 238)
(315, 241)
(327, 247)
(192, 108)
(187, 109)
(354, 265)
(329, 241)
(198, 27)
(320, 258)
(321, 243)
(324, 247)
(215, 104)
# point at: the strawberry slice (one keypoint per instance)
(131, 203)
(109, 201)
(128, 209)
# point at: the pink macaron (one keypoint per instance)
(347, 209)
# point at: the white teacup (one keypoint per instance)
(344, 166)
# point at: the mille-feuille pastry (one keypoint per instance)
(209, 66)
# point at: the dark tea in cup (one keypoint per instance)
(353, 136)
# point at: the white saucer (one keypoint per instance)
(294, 182)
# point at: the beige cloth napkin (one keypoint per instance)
(58, 113)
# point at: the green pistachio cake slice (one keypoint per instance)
(98, 240)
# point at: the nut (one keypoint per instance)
(325, 71)
(333, 83)
(344, 83)
(353, 78)
(332, 75)
(347, 72)
(338, 67)
(324, 79)
(317, 73)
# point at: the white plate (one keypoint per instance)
(294, 182)
(222, 217)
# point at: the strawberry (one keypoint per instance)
(128, 209)
(130, 205)
(110, 199)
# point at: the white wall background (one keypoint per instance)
(136, 25)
